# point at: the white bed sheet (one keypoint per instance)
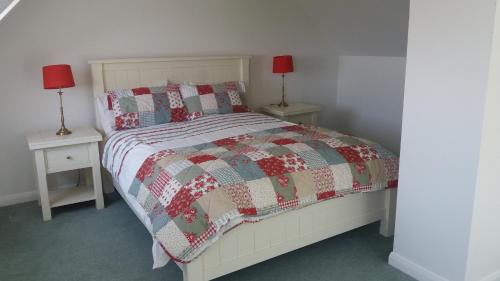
(123, 162)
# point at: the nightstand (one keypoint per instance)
(300, 113)
(53, 154)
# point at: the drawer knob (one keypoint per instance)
(69, 157)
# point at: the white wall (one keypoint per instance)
(37, 33)
(448, 63)
(370, 98)
(483, 262)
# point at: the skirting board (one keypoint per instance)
(414, 270)
(495, 276)
(17, 198)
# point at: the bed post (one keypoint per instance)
(389, 220)
(193, 271)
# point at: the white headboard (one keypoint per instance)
(116, 74)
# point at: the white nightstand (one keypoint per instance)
(300, 113)
(54, 154)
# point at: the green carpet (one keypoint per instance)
(82, 243)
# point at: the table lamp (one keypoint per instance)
(58, 76)
(283, 64)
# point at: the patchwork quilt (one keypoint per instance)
(193, 194)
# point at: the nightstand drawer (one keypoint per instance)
(67, 158)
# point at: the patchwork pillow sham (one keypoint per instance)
(146, 106)
(206, 99)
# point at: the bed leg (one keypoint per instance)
(193, 271)
(389, 220)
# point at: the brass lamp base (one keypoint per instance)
(63, 132)
(283, 103)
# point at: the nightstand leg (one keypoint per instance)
(96, 176)
(41, 175)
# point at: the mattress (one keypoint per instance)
(190, 182)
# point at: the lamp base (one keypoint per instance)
(283, 104)
(63, 132)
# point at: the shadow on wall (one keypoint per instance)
(370, 98)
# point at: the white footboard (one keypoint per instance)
(249, 244)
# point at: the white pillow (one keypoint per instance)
(107, 119)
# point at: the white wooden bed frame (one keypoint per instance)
(247, 244)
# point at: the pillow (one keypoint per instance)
(106, 116)
(206, 99)
(146, 106)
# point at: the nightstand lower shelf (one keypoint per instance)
(66, 196)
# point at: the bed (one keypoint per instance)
(244, 242)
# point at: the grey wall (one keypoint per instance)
(37, 33)
(370, 98)
(362, 28)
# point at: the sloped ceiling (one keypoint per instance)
(6, 6)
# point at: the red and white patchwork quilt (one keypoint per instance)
(198, 179)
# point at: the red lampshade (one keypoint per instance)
(57, 76)
(282, 64)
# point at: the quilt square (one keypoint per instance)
(317, 144)
(323, 180)
(365, 152)
(350, 140)
(234, 98)
(240, 195)
(279, 150)
(201, 185)
(343, 177)
(349, 154)
(303, 180)
(284, 186)
(331, 156)
(262, 192)
(209, 104)
(141, 91)
(205, 89)
(272, 166)
(128, 105)
(188, 174)
(175, 100)
(245, 167)
(192, 222)
(313, 159)
(361, 176)
(178, 166)
(147, 118)
(333, 142)
(258, 154)
(227, 176)
(145, 103)
(283, 141)
(172, 238)
(198, 159)
(181, 201)
(223, 103)
(298, 147)
(293, 162)
(377, 176)
(214, 165)
(127, 121)
(216, 204)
